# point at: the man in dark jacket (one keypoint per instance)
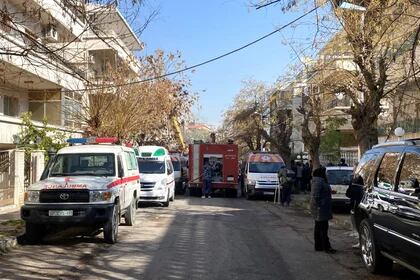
(321, 209)
(207, 176)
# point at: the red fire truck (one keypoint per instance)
(223, 159)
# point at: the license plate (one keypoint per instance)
(268, 193)
(60, 213)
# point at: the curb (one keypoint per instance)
(7, 243)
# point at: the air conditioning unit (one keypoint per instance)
(50, 33)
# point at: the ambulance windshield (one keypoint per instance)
(151, 166)
(265, 167)
(83, 165)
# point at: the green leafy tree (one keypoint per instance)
(332, 138)
(43, 138)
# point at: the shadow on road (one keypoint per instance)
(196, 238)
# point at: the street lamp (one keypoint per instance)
(399, 132)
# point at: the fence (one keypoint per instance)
(6, 184)
(351, 156)
(12, 175)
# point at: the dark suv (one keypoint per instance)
(388, 217)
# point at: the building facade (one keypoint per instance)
(51, 51)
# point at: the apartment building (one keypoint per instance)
(51, 51)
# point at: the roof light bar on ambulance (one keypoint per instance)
(93, 140)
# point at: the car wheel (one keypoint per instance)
(34, 233)
(130, 216)
(173, 196)
(374, 261)
(166, 203)
(111, 226)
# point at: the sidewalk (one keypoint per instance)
(301, 201)
(11, 226)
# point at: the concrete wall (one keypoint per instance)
(17, 171)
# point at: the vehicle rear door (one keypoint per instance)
(121, 175)
(383, 197)
(406, 209)
(132, 178)
(170, 182)
(364, 176)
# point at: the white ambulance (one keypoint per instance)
(157, 180)
(92, 184)
(261, 173)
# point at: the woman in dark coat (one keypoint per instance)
(321, 209)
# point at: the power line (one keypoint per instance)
(209, 60)
(266, 4)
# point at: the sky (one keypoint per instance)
(202, 29)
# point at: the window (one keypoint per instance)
(151, 166)
(130, 160)
(46, 105)
(386, 172)
(83, 165)
(169, 167)
(410, 174)
(72, 109)
(133, 161)
(176, 164)
(339, 177)
(265, 167)
(364, 173)
(11, 106)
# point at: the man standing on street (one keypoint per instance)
(321, 209)
(285, 187)
(207, 175)
(299, 177)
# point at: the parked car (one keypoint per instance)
(92, 184)
(339, 178)
(388, 217)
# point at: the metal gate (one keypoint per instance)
(6, 184)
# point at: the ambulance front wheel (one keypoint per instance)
(166, 203)
(111, 226)
(130, 215)
(34, 233)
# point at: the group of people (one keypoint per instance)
(302, 175)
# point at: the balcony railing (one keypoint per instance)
(336, 103)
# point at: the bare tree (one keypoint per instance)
(382, 38)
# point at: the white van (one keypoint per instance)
(339, 178)
(93, 184)
(176, 163)
(157, 179)
(261, 173)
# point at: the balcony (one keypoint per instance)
(68, 15)
(338, 104)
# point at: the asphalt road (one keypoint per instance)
(196, 238)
